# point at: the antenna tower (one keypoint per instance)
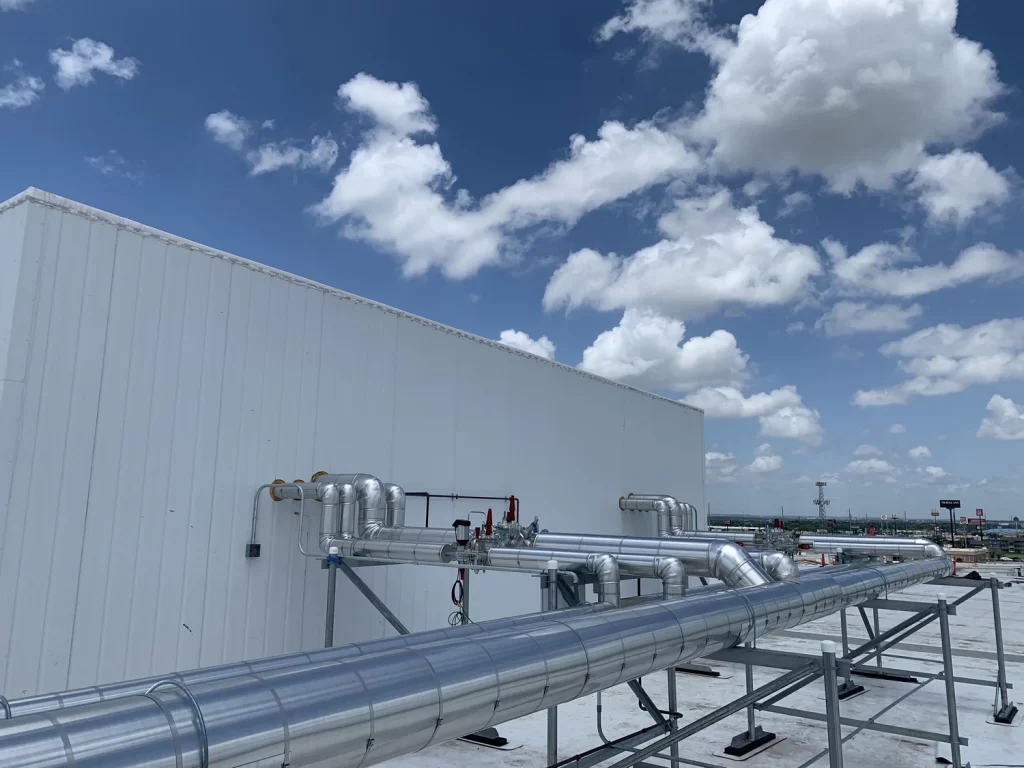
(821, 502)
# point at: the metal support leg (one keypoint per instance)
(369, 594)
(1004, 710)
(673, 704)
(755, 736)
(878, 631)
(847, 688)
(835, 730)
(332, 586)
(552, 605)
(947, 673)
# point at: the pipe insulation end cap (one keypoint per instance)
(828, 646)
(552, 565)
(942, 597)
(332, 551)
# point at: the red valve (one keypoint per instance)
(489, 524)
(511, 518)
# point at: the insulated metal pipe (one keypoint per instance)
(666, 510)
(395, 504)
(721, 560)
(738, 537)
(880, 546)
(31, 705)
(367, 710)
(669, 570)
(424, 535)
(398, 551)
(778, 565)
(604, 567)
(683, 516)
(370, 495)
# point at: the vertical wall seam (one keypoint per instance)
(92, 454)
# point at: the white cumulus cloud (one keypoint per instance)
(76, 66)
(713, 256)
(932, 473)
(946, 359)
(870, 467)
(1005, 420)
(897, 429)
(879, 269)
(846, 318)
(781, 412)
(856, 91)
(955, 186)
(765, 460)
(721, 467)
(14, 5)
(920, 452)
(647, 349)
(542, 347)
(24, 90)
(866, 450)
(228, 128)
(398, 191)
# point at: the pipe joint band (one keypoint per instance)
(204, 741)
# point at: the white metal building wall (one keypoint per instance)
(148, 385)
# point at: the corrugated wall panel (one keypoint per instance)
(157, 384)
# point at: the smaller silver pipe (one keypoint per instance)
(832, 721)
(332, 585)
(419, 535)
(737, 537)
(395, 503)
(904, 547)
(659, 505)
(370, 495)
(604, 567)
(396, 551)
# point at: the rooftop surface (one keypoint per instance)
(972, 632)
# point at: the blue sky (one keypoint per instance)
(797, 214)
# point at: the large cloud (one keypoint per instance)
(647, 350)
(714, 255)
(853, 90)
(1005, 420)
(398, 194)
(781, 412)
(945, 359)
(76, 66)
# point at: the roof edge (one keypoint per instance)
(50, 200)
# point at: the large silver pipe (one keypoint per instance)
(778, 565)
(398, 551)
(370, 495)
(31, 705)
(665, 510)
(721, 560)
(364, 711)
(425, 535)
(879, 546)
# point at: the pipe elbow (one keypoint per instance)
(394, 496)
(606, 568)
(729, 563)
(931, 549)
(780, 566)
(673, 576)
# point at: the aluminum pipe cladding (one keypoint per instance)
(778, 565)
(370, 495)
(396, 551)
(721, 560)
(666, 510)
(395, 503)
(604, 567)
(878, 546)
(366, 710)
(95, 693)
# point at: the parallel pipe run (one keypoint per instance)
(879, 546)
(684, 516)
(364, 711)
(721, 560)
(31, 705)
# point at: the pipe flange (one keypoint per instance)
(273, 495)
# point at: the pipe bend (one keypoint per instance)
(673, 576)
(730, 563)
(606, 569)
(394, 498)
(780, 566)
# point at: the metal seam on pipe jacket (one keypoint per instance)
(366, 710)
